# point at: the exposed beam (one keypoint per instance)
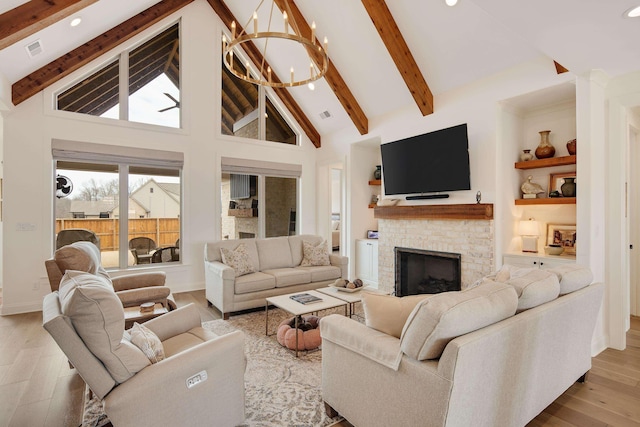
(559, 68)
(66, 64)
(333, 77)
(399, 51)
(32, 16)
(256, 57)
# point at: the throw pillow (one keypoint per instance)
(238, 259)
(388, 314)
(144, 338)
(314, 255)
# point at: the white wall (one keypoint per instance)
(30, 127)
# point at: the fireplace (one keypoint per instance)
(420, 271)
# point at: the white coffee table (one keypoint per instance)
(298, 309)
(351, 298)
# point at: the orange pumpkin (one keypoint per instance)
(307, 340)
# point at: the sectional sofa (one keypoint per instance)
(275, 265)
(462, 358)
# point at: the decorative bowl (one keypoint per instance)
(553, 250)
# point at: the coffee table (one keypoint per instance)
(133, 314)
(351, 298)
(295, 308)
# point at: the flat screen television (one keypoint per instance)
(430, 163)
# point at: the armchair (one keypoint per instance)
(131, 289)
(86, 320)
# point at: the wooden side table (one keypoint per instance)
(133, 314)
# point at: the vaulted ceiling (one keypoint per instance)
(385, 57)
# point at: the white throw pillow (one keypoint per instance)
(238, 259)
(144, 338)
(388, 314)
(315, 255)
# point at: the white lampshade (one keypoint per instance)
(528, 228)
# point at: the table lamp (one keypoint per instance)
(528, 230)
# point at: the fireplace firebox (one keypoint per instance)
(420, 271)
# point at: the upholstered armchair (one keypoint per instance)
(169, 371)
(131, 289)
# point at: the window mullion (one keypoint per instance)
(124, 86)
(262, 109)
(123, 208)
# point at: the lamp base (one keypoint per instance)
(530, 244)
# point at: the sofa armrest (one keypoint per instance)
(132, 297)
(175, 322)
(220, 282)
(158, 395)
(138, 280)
(342, 262)
(354, 336)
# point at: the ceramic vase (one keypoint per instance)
(545, 150)
(569, 187)
(377, 174)
(571, 147)
(526, 156)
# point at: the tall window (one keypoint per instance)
(151, 73)
(242, 104)
(132, 206)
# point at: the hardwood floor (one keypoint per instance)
(37, 387)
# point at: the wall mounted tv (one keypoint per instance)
(430, 163)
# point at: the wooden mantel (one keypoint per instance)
(461, 212)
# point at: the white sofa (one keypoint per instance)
(276, 262)
(438, 374)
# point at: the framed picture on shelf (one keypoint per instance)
(564, 235)
(557, 179)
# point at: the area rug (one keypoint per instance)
(280, 389)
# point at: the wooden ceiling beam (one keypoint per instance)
(333, 77)
(66, 64)
(399, 51)
(29, 18)
(559, 68)
(256, 57)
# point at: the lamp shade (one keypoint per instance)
(528, 228)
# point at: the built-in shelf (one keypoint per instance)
(547, 201)
(375, 182)
(372, 205)
(545, 163)
(466, 211)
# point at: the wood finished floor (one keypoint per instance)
(37, 388)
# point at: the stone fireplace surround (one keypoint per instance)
(471, 237)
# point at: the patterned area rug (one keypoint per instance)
(280, 389)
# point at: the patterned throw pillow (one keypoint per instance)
(314, 255)
(144, 338)
(238, 259)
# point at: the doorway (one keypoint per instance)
(634, 221)
(337, 218)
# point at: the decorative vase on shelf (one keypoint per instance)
(571, 147)
(545, 150)
(377, 174)
(569, 187)
(526, 156)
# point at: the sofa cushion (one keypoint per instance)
(533, 286)
(97, 315)
(144, 338)
(253, 282)
(238, 259)
(289, 276)
(323, 272)
(80, 256)
(314, 255)
(572, 277)
(295, 243)
(274, 252)
(442, 317)
(387, 313)
(212, 250)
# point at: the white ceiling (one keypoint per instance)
(452, 46)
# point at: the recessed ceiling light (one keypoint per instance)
(451, 2)
(76, 21)
(633, 12)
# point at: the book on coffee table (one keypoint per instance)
(305, 298)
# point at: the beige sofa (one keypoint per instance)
(447, 369)
(276, 262)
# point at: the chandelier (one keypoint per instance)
(316, 53)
